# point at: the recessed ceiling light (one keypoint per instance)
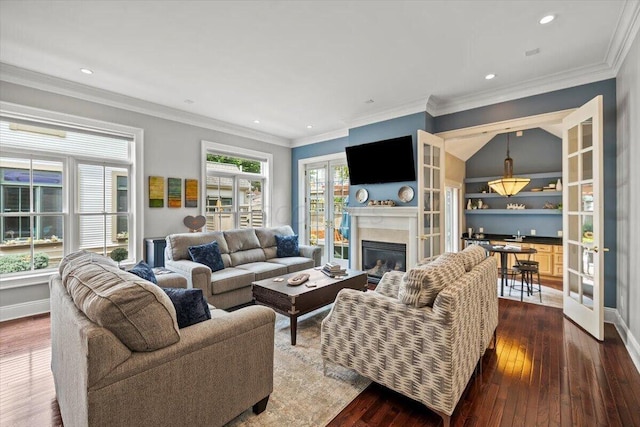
(309, 126)
(490, 76)
(547, 19)
(369, 101)
(256, 122)
(86, 70)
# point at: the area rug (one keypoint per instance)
(550, 297)
(302, 395)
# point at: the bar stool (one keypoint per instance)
(526, 269)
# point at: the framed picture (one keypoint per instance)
(175, 192)
(190, 193)
(156, 192)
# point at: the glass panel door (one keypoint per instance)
(431, 195)
(327, 191)
(583, 299)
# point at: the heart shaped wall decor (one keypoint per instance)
(194, 223)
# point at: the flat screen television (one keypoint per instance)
(389, 160)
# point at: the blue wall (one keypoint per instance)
(555, 101)
(400, 126)
(536, 151)
(548, 102)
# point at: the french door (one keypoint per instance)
(327, 221)
(431, 175)
(582, 218)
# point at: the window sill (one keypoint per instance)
(29, 279)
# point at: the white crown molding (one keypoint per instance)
(532, 87)
(322, 137)
(432, 106)
(418, 106)
(626, 31)
(21, 76)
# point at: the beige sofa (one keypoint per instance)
(249, 254)
(119, 359)
(427, 353)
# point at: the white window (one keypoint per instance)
(236, 192)
(64, 186)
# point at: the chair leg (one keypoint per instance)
(539, 286)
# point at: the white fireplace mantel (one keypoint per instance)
(397, 224)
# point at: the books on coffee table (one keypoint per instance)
(333, 269)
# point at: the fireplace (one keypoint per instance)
(380, 257)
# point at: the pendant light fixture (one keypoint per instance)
(508, 185)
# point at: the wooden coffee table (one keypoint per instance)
(294, 301)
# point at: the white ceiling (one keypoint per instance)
(292, 64)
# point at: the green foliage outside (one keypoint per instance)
(250, 166)
(15, 263)
(119, 254)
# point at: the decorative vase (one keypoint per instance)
(559, 185)
(469, 205)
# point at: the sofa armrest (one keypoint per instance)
(197, 275)
(313, 252)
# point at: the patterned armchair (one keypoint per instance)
(427, 353)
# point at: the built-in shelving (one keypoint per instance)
(513, 212)
(531, 176)
(521, 194)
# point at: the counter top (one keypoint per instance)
(527, 239)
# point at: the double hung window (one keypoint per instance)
(62, 188)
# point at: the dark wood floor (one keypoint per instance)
(545, 371)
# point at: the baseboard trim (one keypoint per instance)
(24, 309)
(611, 315)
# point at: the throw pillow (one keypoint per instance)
(143, 270)
(420, 286)
(190, 305)
(207, 254)
(287, 246)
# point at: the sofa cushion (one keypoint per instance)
(136, 311)
(230, 279)
(420, 286)
(207, 254)
(190, 304)
(294, 263)
(248, 256)
(264, 270)
(267, 235)
(472, 255)
(287, 246)
(241, 239)
(143, 270)
(178, 244)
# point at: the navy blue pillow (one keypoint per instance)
(208, 254)
(143, 270)
(190, 305)
(287, 246)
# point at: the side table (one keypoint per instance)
(154, 251)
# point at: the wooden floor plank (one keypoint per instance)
(543, 371)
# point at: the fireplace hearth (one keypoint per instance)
(380, 257)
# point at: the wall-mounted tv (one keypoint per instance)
(390, 160)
